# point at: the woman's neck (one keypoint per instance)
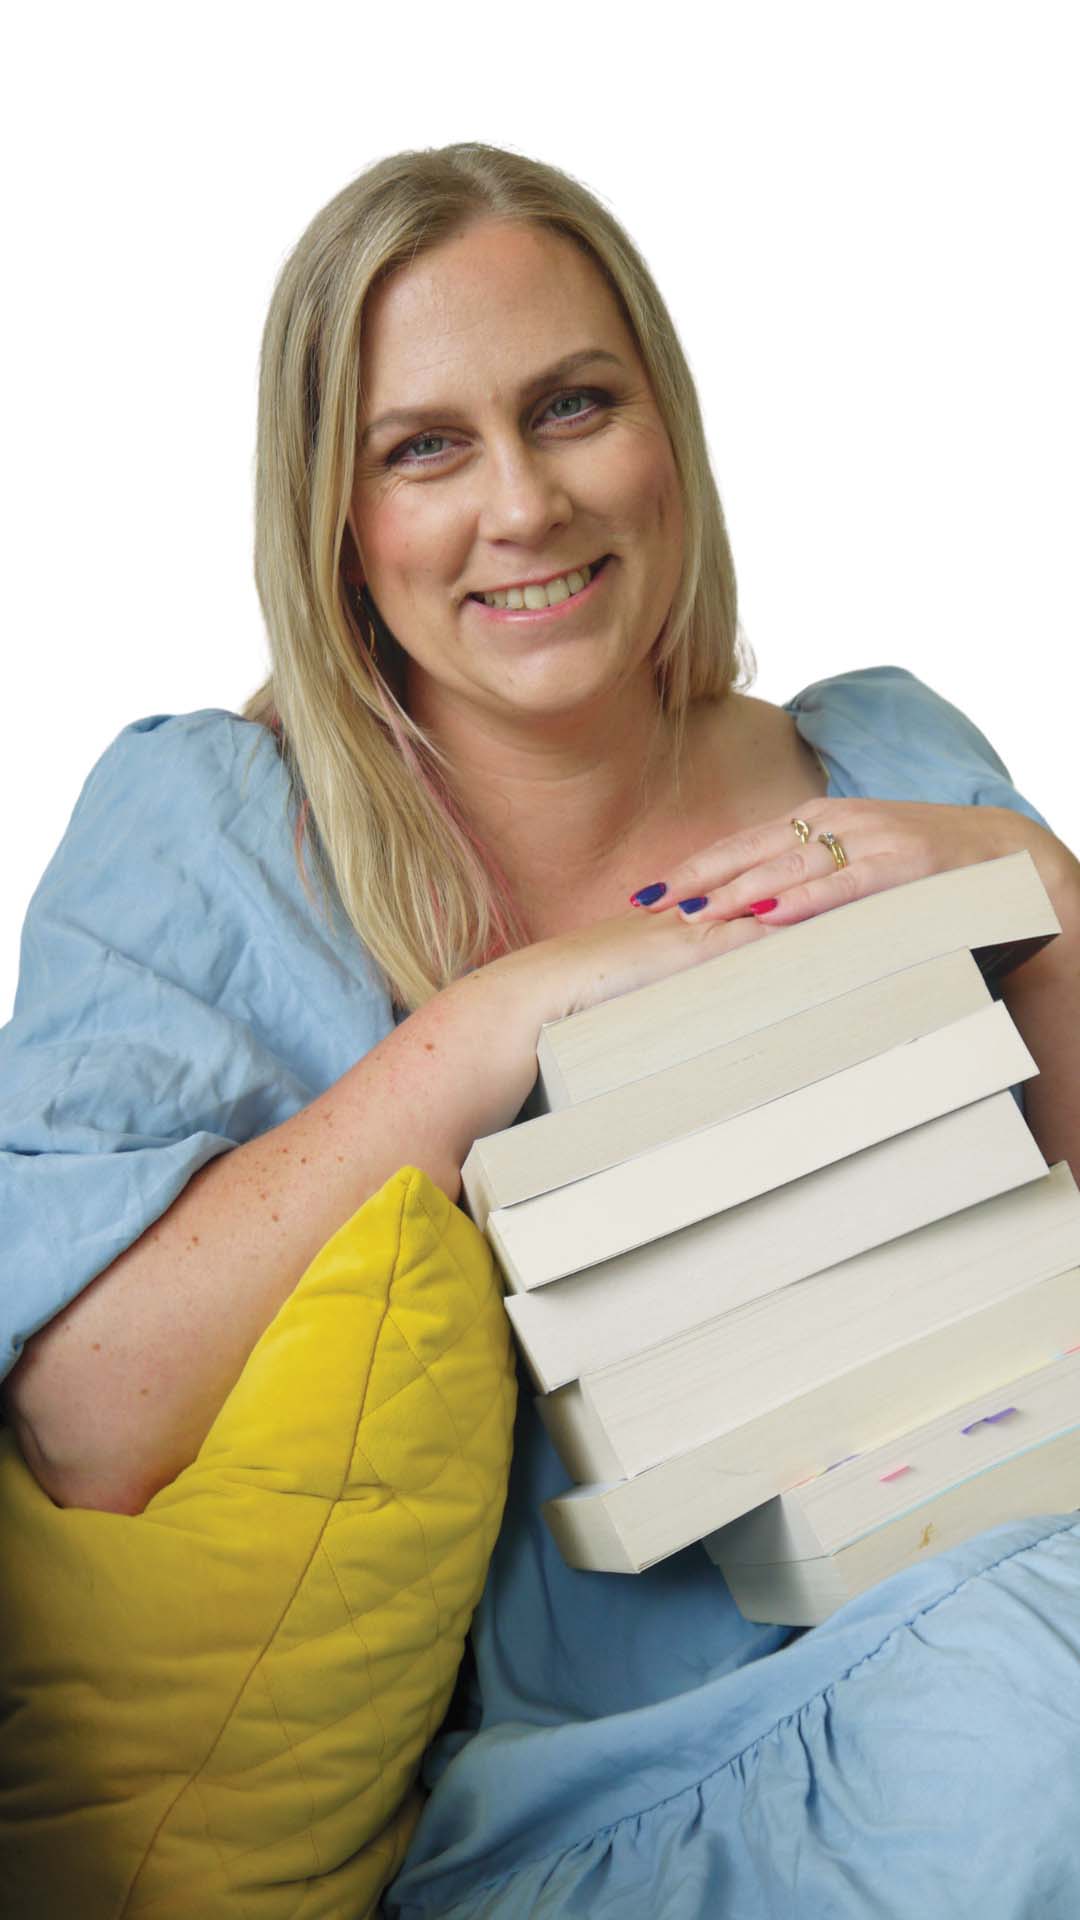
(555, 805)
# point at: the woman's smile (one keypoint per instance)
(562, 594)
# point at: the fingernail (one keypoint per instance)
(695, 905)
(645, 896)
(763, 906)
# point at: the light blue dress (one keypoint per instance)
(623, 1747)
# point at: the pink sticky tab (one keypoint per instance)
(894, 1473)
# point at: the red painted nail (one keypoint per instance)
(763, 906)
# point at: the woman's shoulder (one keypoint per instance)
(172, 787)
(184, 760)
(179, 993)
(882, 732)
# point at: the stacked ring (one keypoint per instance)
(830, 840)
(825, 839)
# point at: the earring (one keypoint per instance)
(364, 619)
(373, 651)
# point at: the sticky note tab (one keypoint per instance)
(988, 1419)
(841, 1463)
(894, 1472)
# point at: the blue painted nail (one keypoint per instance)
(645, 896)
(695, 905)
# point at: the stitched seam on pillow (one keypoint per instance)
(475, 1477)
(212, 1840)
(431, 1651)
(414, 1199)
(428, 1368)
(425, 1366)
(480, 1300)
(328, 1726)
(418, 1203)
(309, 1831)
(193, 1777)
(352, 1620)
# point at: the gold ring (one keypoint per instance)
(802, 830)
(830, 840)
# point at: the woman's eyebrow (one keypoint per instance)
(564, 369)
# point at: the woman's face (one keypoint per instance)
(512, 467)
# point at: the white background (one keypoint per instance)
(863, 216)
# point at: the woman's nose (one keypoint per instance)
(523, 493)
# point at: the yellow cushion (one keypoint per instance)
(218, 1707)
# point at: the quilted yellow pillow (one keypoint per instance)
(218, 1707)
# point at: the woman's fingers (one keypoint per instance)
(785, 870)
(776, 891)
(871, 873)
(726, 879)
(773, 880)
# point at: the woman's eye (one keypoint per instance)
(428, 449)
(585, 400)
(422, 440)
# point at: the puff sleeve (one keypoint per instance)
(179, 993)
(885, 735)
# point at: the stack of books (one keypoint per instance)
(784, 1260)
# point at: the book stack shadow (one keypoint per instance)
(784, 1261)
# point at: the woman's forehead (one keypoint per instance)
(498, 294)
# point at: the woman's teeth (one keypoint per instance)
(534, 598)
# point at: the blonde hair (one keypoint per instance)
(373, 792)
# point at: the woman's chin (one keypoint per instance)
(564, 686)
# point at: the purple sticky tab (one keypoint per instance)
(988, 1419)
(841, 1463)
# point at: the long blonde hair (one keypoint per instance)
(374, 794)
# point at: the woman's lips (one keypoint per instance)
(524, 614)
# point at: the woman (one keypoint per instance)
(502, 613)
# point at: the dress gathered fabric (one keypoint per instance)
(618, 1745)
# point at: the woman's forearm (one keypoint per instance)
(115, 1396)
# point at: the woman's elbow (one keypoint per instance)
(74, 1468)
(71, 1482)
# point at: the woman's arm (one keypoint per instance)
(114, 1397)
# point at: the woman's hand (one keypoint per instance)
(781, 873)
(570, 972)
(770, 874)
